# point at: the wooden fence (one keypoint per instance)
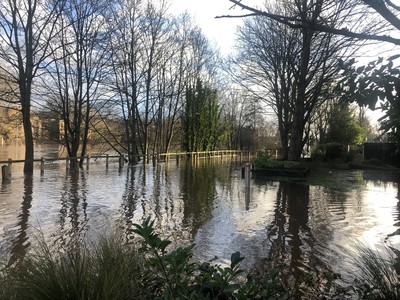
(220, 154)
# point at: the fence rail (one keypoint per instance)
(6, 169)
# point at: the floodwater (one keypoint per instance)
(306, 226)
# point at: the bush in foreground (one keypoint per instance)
(107, 271)
(113, 269)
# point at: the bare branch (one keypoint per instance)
(296, 23)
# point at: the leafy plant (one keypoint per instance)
(175, 275)
(288, 164)
(264, 160)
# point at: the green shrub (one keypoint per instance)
(264, 160)
(318, 153)
(288, 164)
(334, 151)
(173, 274)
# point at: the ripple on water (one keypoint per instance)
(308, 227)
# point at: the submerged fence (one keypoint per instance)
(121, 159)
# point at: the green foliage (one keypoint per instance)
(343, 127)
(376, 85)
(113, 269)
(174, 275)
(264, 160)
(203, 129)
(329, 152)
(334, 151)
(318, 153)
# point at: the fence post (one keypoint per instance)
(42, 160)
(107, 161)
(9, 166)
(4, 173)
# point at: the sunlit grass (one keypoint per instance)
(109, 269)
(377, 273)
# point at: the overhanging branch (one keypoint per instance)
(300, 24)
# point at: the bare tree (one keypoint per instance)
(155, 57)
(75, 76)
(291, 69)
(365, 20)
(241, 109)
(26, 30)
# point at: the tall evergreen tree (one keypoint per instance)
(202, 130)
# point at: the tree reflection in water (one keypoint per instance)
(21, 242)
(73, 217)
(198, 188)
(291, 241)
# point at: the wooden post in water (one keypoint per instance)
(107, 161)
(177, 159)
(42, 160)
(247, 175)
(87, 162)
(247, 185)
(67, 163)
(4, 173)
(121, 162)
(9, 166)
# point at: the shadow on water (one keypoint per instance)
(21, 242)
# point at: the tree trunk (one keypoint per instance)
(29, 149)
(296, 137)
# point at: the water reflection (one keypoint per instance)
(289, 233)
(21, 242)
(129, 200)
(73, 218)
(198, 191)
(304, 227)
